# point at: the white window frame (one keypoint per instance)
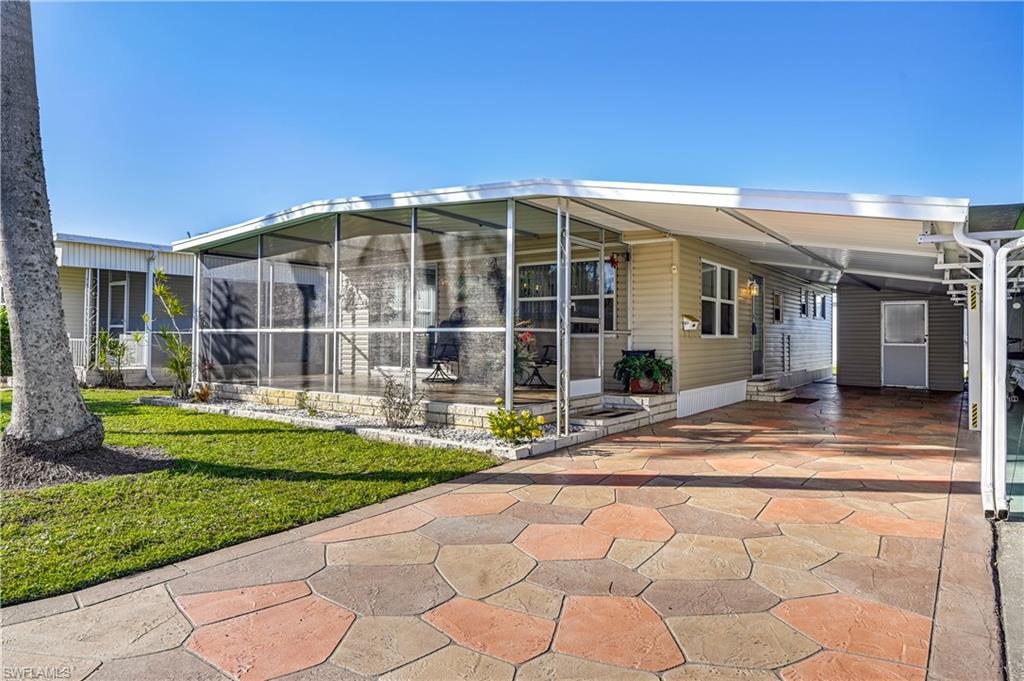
(717, 300)
(823, 308)
(590, 296)
(780, 306)
(804, 312)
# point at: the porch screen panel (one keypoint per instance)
(460, 301)
(374, 306)
(298, 278)
(534, 364)
(227, 312)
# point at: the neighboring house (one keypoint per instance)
(107, 284)
(433, 288)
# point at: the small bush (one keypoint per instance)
(202, 393)
(514, 427)
(303, 403)
(397, 404)
(6, 369)
(110, 352)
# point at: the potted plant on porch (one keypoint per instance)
(643, 374)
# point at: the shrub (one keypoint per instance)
(515, 427)
(173, 343)
(6, 369)
(110, 354)
(398, 404)
(303, 403)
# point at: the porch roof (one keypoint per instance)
(817, 236)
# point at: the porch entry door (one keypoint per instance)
(117, 306)
(757, 326)
(586, 317)
(905, 344)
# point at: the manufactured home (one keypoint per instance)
(107, 285)
(531, 292)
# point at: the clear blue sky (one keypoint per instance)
(162, 118)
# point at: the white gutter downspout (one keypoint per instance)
(999, 432)
(149, 317)
(988, 383)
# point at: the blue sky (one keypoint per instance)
(162, 118)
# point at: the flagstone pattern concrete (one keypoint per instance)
(840, 539)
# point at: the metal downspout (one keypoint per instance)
(988, 383)
(999, 431)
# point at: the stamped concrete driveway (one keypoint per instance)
(838, 538)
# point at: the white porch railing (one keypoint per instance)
(79, 352)
(135, 351)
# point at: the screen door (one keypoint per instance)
(905, 344)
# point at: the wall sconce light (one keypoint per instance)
(752, 287)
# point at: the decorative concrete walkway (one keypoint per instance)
(840, 539)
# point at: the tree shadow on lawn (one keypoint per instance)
(220, 470)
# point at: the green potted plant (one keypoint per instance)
(643, 374)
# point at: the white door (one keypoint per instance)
(905, 344)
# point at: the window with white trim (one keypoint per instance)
(538, 289)
(803, 303)
(778, 314)
(824, 305)
(717, 300)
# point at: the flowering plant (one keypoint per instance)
(514, 427)
(524, 354)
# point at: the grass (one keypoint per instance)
(233, 479)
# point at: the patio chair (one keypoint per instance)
(548, 357)
(444, 354)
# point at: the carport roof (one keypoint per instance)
(814, 235)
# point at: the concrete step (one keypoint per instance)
(762, 386)
(772, 395)
(607, 416)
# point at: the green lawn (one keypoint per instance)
(233, 479)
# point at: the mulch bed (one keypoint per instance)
(31, 472)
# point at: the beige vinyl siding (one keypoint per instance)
(808, 340)
(654, 313)
(707, 361)
(72, 298)
(859, 338)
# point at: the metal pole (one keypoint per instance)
(412, 302)
(988, 404)
(259, 310)
(974, 356)
(510, 299)
(999, 431)
(565, 279)
(560, 358)
(334, 295)
(196, 304)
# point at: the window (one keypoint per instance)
(538, 295)
(803, 303)
(777, 311)
(824, 306)
(717, 300)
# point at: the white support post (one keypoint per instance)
(196, 338)
(974, 343)
(334, 305)
(259, 310)
(149, 316)
(563, 253)
(412, 301)
(999, 430)
(988, 387)
(510, 301)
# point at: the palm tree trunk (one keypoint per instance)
(48, 417)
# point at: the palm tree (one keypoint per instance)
(48, 416)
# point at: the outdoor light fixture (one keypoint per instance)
(752, 287)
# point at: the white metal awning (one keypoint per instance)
(820, 237)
